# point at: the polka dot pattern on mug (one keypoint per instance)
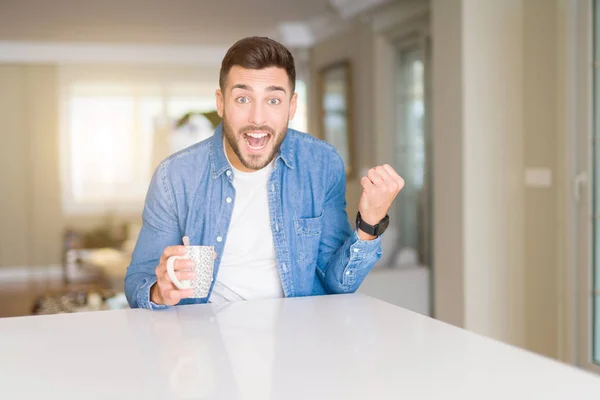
(203, 257)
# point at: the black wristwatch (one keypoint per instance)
(376, 230)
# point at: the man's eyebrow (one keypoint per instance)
(272, 88)
(275, 89)
(242, 86)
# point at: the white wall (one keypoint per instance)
(448, 121)
(495, 115)
(493, 168)
(30, 219)
(544, 224)
(480, 115)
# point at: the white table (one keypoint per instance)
(332, 347)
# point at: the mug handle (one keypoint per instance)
(171, 271)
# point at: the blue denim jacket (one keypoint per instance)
(316, 249)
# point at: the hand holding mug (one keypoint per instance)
(183, 272)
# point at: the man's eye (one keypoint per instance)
(243, 100)
(274, 102)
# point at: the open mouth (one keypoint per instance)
(256, 141)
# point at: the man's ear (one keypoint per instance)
(220, 102)
(293, 105)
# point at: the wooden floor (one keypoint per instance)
(18, 298)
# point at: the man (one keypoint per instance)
(270, 199)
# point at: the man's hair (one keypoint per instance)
(258, 53)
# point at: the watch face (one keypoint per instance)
(383, 225)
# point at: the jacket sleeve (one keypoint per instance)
(344, 260)
(160, 229)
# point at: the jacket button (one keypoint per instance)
(228, 200)
(219, 239)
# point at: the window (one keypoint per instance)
(109, 139)
(583, 168)
(411, 157)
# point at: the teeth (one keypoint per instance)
(257, 135)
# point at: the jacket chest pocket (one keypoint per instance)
(308, 235)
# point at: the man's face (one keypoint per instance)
(256, 106)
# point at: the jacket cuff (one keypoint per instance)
(143, 296)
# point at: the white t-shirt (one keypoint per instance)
(248, 268)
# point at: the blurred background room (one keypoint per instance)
(487, 108)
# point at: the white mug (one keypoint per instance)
(203, 257)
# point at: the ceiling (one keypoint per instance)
(185, 22)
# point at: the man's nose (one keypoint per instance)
(257, 114)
